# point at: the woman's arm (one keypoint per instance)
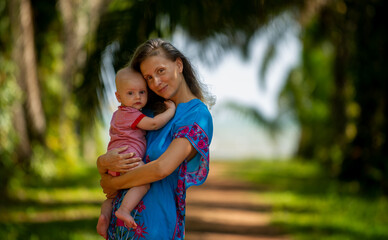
(176, 153)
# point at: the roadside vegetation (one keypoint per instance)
(309, 204)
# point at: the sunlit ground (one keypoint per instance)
(306, 204)
(60, 209)
(309, 205)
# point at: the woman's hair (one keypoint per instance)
(159, 47)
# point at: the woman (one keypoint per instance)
(177, 155)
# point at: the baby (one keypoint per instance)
(128, 128)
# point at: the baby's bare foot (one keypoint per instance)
(102, 226)
(126, 217)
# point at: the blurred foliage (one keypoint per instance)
(216, 26)
(338, 93)
(64, 208)
(64, 148)
(308, 91)
(9, 93)
(305, 201)
(309, 204)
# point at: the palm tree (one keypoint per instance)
(223, 23)
(342, 115)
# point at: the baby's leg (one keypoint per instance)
(131, 199)
(104, 219)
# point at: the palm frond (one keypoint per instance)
(226, 24)
(273, 126)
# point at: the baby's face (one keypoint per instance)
(132, 90)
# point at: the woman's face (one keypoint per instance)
(163, 76)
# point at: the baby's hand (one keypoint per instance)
(170, 104)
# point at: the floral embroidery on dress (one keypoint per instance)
(197, 136)
(200, 141)
(139, 232)
(122, 231)
(140, 207)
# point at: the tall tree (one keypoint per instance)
(366, 158)
(59, 47)
(39, 69)
(343, 108)
(80, 19)
(24, 56)
(127, 24)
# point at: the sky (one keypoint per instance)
(235, 79)
(232, 78)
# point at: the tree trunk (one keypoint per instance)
(80, 20)
(25, 58)
(29, 118)
(339, 98)
(366, 159)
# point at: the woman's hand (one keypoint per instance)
(107, 186)
(116, 161)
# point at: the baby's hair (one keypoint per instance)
(154, 102)
(127, 68)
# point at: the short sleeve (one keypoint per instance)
(137, 120)
(197, 127)
(128, 117)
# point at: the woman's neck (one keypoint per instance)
(183, 95)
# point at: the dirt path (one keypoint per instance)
(227, 210)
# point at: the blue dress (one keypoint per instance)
(161, 213)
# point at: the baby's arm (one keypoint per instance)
(148, 123)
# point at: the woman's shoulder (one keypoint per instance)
(192, 113)
(192, 108)
(194, 104)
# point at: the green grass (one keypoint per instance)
(65, 208)
(308, 204)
